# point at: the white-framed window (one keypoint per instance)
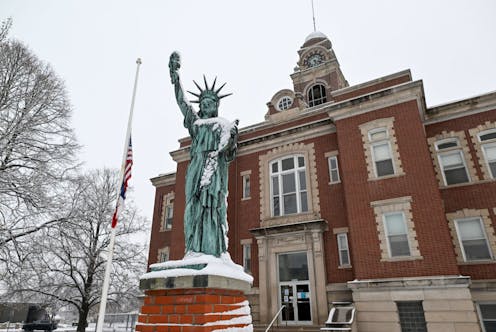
(316, 95)
(163, 255)
(288, 186)
(473, 239)
(488, 142)
(487, 315)
(381, 152)
(452, 161)
(284, 103)
(333, 169)
(396, 234)
(247, 257)
(168, 215)
(344, 252)
(246, 186)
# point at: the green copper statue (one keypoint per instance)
(213, 146)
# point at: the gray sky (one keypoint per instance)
(251, 45)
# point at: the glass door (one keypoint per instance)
(294, 288)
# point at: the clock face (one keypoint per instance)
(314, 60)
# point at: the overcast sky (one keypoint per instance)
(251, 45)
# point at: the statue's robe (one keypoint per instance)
(205, 216)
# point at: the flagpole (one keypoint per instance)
(108, 268)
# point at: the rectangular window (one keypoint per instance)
(288, 186)
(344, 253)
(169, 213)
(247, 257)
(397, 234)
(487, 313)
(383, 161)
(453, 166)
(246, 186)
(333, 169)
(473, 239)
(411, 315)
(163, 255)
(490, 154)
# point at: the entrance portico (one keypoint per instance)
(292, 272)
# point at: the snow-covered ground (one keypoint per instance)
(115, 327)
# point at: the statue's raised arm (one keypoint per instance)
(174, 65)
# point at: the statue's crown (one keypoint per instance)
(208, 92)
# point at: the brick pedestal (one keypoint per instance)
(201, 307)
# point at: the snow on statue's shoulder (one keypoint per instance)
(221, 266)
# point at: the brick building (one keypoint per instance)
(358, 193)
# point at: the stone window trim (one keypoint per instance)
(167, 201)
(482, 318)
(462, 146)
(161, 253)
(371, 127)
(243, 175)
(328, 156)
(399, 204)
(308, 152)
(481, 158)
(483, 214)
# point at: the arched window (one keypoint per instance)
(316, 95)
(288, 185)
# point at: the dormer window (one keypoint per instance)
(284, 103)
(317, 95)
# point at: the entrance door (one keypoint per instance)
(294, 288)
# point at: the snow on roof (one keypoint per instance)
(315, 34)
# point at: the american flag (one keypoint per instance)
(127, 175)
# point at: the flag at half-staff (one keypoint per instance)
(128, 164)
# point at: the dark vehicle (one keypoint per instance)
(45, 325)
(38, 319)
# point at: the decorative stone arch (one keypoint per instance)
(308, 152)
(313, 50)
(311, 84)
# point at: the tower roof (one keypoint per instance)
(314, 37)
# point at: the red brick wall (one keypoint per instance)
(159, 239)
(372, 88)
(419, 182)
(475, 195)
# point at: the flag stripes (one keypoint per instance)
(125, 179)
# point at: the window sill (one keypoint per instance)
(245, 198)
(344, 267)
(485, 261)
(466, 184)
(401, 259)
(165, 230)
(337, 182)
(386, 177)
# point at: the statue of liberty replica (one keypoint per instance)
(206, 273)
(213, 146)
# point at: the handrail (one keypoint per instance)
(274, 319)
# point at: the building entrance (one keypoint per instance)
(294, 288)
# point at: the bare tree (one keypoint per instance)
(37, 145)
(68, 263)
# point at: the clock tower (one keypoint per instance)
(317, 73)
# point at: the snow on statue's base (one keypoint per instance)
(198, 293)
